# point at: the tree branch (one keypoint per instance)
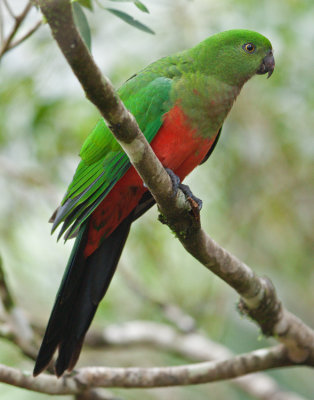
(7, 43)
(17, 22)
(25, 36)
(135, 377)
(193, 346)
(259, 299)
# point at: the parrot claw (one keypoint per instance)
(175, 180)
(195, 202)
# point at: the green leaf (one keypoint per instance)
(81, 24)
(141, 6)
(137, 3)
(130, 20)
(86, 3)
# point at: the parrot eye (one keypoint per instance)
(249, 47)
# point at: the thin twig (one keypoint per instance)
(25, 36)
(17, 22)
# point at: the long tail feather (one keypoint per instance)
(84, 284)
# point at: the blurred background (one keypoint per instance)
(257, 187)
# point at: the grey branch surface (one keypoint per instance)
(193, 346)
(137, 377)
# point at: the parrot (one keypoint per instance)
(180, 103)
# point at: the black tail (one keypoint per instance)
(84, 284)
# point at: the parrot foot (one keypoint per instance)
(175, 180)
(195, 202)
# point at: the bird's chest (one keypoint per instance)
(206, 102)
(179, 146)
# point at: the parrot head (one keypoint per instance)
(236, 55)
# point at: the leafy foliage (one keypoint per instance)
(86, 3)
(82, 23)
(141, 6)
(130, 20)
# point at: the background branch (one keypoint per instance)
(212, 371)
(193, 346)
(7, 43)
(25, 36)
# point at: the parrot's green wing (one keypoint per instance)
(103, 160)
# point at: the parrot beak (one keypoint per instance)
(268, 65)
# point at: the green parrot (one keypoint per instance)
(180, 103)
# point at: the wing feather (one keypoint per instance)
(103, 160)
